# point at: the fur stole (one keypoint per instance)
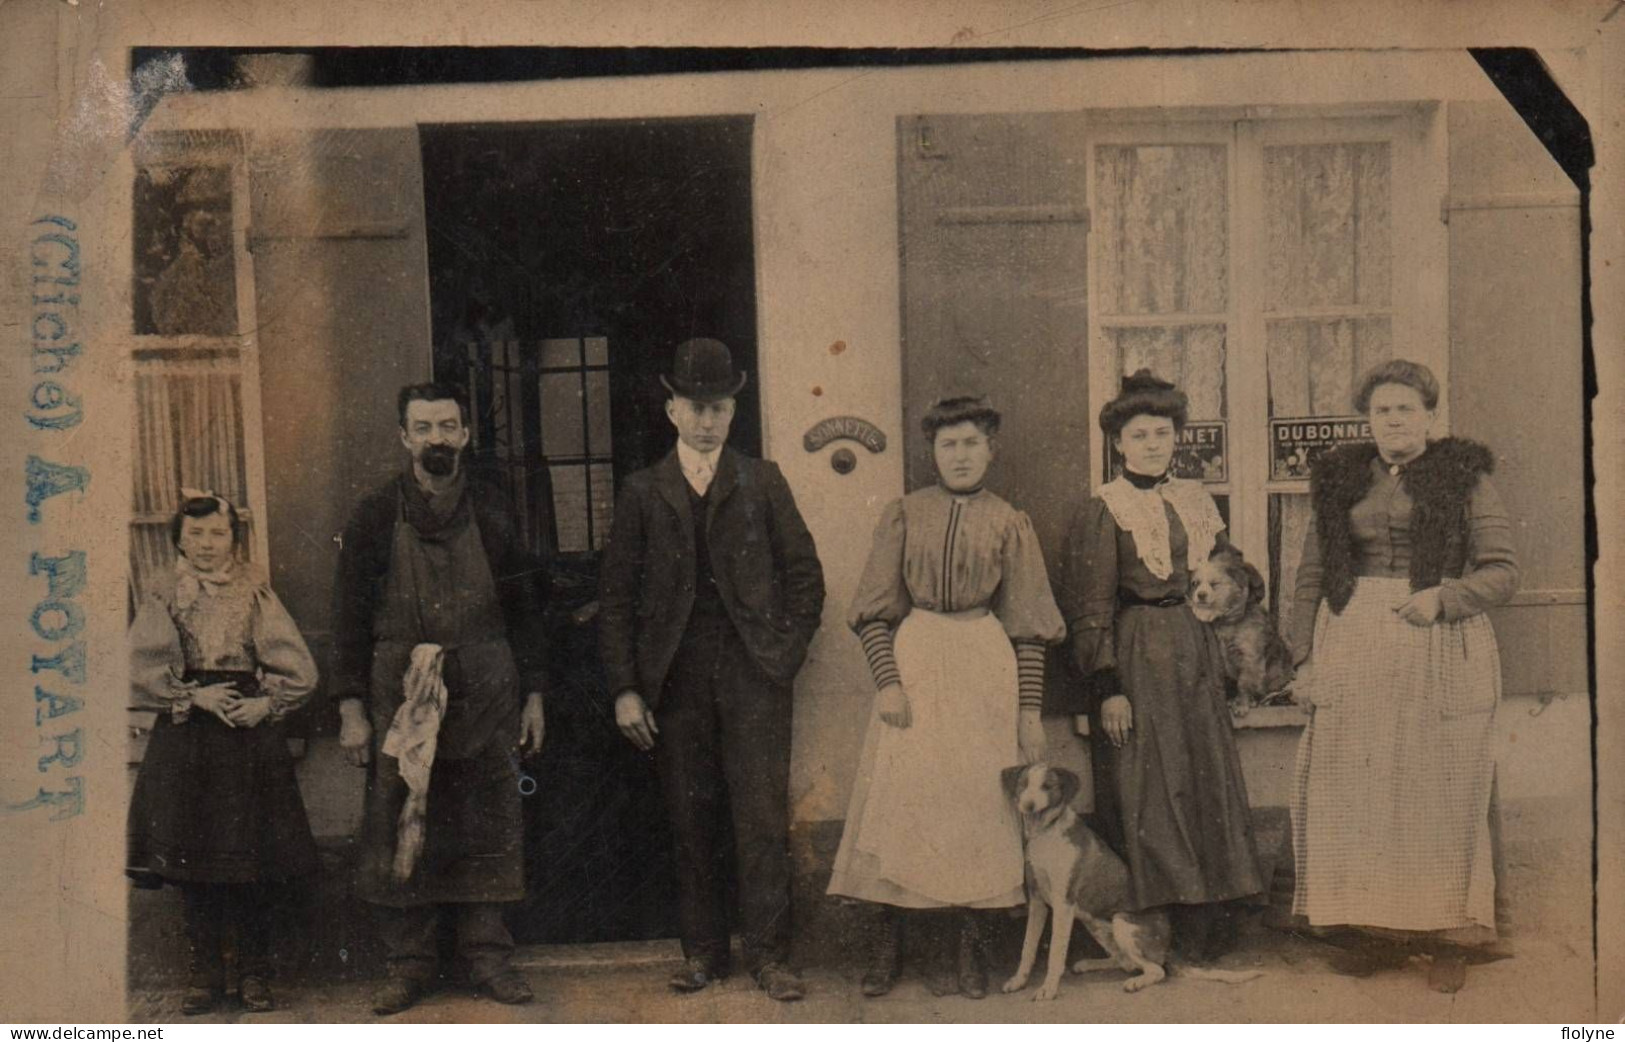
(1440, 482)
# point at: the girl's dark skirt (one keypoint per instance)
(217, 804)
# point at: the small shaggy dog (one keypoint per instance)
(1228, 593)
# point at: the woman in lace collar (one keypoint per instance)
(1168, 784)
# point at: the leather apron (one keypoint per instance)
(440, 590)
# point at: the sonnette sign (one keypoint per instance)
(837, 427)
(1295, 443)
(1202, 453)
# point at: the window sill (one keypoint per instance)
(1261, 718)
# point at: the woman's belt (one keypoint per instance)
(1130, 599)
(964, 615)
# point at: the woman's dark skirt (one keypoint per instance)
(217, 804)
(1173, 799)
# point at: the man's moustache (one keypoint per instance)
(439, 460)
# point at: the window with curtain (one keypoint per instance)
(196, 405)
(1328, 304)
(1163, 269)
(189, 433)
(1252, 264)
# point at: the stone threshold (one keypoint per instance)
(599, 955)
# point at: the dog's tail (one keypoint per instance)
(1222, 976)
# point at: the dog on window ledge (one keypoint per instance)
(1228, 593)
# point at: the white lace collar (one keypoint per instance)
(1140, 513)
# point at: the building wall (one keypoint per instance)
(826, 205)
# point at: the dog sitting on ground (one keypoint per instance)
(1074, 874)
(1228, 593)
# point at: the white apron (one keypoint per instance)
(929, 824)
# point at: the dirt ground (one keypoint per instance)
(1544, 982)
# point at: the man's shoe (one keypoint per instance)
(397, 994)
(781, 983)
(508, 988)
(695, 975)
(199, 999)
(256, 994)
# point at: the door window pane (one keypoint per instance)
(603, 502)
(1327, 225)
(1163, 229)
(563, 433)
(570, 506)
(598, 427)
(560, 354)
(576, 438)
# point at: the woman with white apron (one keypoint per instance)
(954, 610)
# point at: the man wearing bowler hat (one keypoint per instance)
(711, 591)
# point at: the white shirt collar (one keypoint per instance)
(698, 467)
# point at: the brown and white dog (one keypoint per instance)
(1074, 874)
(1228, 593)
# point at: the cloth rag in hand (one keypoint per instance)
(412, 737)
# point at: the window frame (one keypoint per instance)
(1418, 301)
(591, 455)
(236, 353)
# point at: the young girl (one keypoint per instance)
(216, 810)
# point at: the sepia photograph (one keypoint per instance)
(810, 534)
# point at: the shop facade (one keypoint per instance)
(1259, 228)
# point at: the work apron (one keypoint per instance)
(440, 590)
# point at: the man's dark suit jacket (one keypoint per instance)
(766, 569)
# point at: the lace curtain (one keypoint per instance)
(188, 433)
(1328, 230)
(1164, 251)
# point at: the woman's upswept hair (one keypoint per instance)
(1414, 375)
(203, 506)
(1144, 394)
(949, 412)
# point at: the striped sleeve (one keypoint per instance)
(1030, 673)
(877, 648)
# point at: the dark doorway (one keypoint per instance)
(566, 262)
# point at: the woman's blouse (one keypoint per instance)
(227, 622)
(1381, 526)
(1101, 566)
(946, 552)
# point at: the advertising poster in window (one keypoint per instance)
(1202, 453)
(1296, 443)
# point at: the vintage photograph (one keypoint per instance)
(702, 535)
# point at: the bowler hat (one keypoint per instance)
(704, 371)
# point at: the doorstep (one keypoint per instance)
(602, 955)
